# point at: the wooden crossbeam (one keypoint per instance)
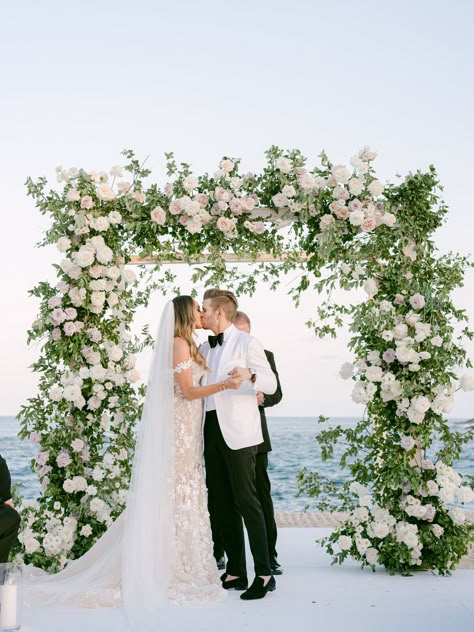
(204, 258)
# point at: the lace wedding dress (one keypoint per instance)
(160, 549)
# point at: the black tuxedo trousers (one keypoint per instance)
(231, 480)
(9, 525)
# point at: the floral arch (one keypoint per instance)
(341, 227)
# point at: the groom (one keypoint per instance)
(232, 432)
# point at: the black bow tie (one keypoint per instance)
(214, 340)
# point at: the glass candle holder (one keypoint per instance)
(10, 596)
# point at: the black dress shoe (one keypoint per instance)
(257, 590)
(241, 583)
(276, 568)
(221, 563)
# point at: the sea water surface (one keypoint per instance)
(294, 447)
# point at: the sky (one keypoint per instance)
(82, 81)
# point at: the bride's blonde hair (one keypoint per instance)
(184, 321)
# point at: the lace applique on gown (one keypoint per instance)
(196, 572)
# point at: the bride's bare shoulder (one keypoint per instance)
(180, 347)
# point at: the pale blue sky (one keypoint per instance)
(81, 81)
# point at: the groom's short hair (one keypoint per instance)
(223, 298)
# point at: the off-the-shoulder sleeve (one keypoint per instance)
(182, 366)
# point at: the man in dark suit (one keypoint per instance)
(242, 322)
(9, 518)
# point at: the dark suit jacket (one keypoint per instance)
(270, 400)
(5, 481)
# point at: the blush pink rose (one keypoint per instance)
(87, 202)
(368, 224)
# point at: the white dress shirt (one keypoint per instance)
(213, 363)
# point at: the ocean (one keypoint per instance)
(294, 447)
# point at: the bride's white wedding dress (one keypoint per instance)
(160, 549)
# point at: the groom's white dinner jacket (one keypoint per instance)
(237, 410)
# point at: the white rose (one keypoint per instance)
(326, 221)
(77, 445)
(96, 505)
(437, 530)
(340, 173)
(433, 488)
(101, 224)
(98, 298)
(356, 218)
(344, 542)
(112, 299)
(63, 244)
(226, 225)
(407, 443)
(376, 187)
(104, 254)
(284, 165)
(98, 474)
(420, 404)
(436, 341)
(114, 217)
(98, 372)
(280, 200)
(374, 373)
(69, 486)
(415, 416)
(115, 353)
(380, 529)
(306, 182)
(465, 494)
(190, 183)
(158, 215)
(289, 191)
(86, 530)
(356, 186)
(226, 165)
(389, 220)
(77, 296)
(116, 171)
(80, 483)
(417, 301)
(362, 544)
(84, 257)
(372, 555)
(55, 393)
(104, 192)
(98, 285)
(31, 545)
(457, 515)
(73, 195)
(400, 331)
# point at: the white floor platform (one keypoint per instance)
(311, 596)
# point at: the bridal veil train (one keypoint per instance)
(160, 549)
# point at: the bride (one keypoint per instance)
(160, 549)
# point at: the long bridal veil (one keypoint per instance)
(148, 546)
(133, 562)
